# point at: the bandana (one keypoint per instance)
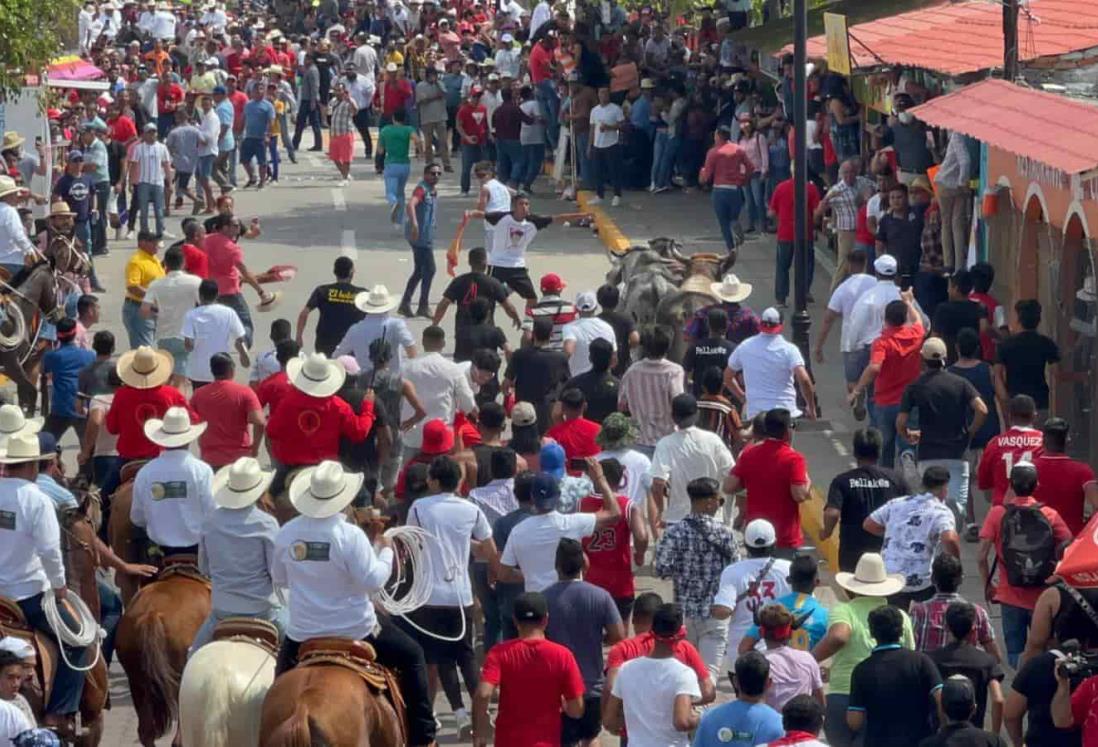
(780, 633)
(793, 737)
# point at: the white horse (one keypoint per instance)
(221, 694)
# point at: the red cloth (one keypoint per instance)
(897, 352)
(225, 406)
(609, 551)
(473, 118)
(1061, 480)
(169, 97)
(394, 95)
(222, 255)
(195, 261)
(1017, 596)
(1001, 454)
(272, 390)
(642, 645)
(238, 99)
(234, 61)
(727, 165)
(123, 130)
(576, 437)
(862, 234)
(768, 471)
(470, 435)
(541, 63)
(781, 203)
(1084, 710)
(987, 342)
(129, 411)
(533, 676)
(306, 430)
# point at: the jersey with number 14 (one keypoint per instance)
(1001, 454)
(608, 550)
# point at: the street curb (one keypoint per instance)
(611, 236)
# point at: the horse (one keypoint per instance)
(122, 534)
(33, 290)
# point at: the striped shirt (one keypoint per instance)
(149, 160)
(843, 201)
(552, 307)
(647, 389)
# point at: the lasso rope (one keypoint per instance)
(85, 635)
(415, 570)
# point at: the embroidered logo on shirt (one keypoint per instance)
(165, 490)
(311, 551)
(7, 520)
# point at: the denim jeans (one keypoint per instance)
(99, 232)
(838, 733)
(307, 113)
(154, 194)
(659, 145)
(509, 165)
(533, 156)
(1016, 622)
(287, 138)
(884, 420)
(68, 684)
(710, 637)
(237, 303)
(272, 156)
(396, 177)
(277, 615)
(958, 483)
(423, 272)
(727, 204)
(607, 167)
(110, 612)
(546, 94)
(470, 154)
(665, 164)
(583, 167)
(784, 262)
(140, 331)
(756, 206)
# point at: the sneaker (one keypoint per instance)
(616, 202)
(448, 169)
(405, 309)
(972, 533)
(463, 725)
(657, 190)
(424, 310)
(394, 214)
(652, 187)
(343, 182)
(129, 234)
(168, 235)
(595, 201)
(859, 407)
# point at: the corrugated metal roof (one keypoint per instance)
(1053, 130)
(965, 37)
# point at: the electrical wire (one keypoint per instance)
(85, 635)
(411, 589)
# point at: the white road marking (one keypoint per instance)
(338, 200)
(316, 161)
(347, 246)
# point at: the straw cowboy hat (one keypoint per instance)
(376, 301)
(8, 186)
(322, 491)
(145, 368)
(730, 289)
(240, 484)
(316, 375)
(22, 447)
(59, 209)
(14, 422)
(12, 139)
(174, 430)
(273, 299)
(870, 577)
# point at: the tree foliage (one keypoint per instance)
(32, 32)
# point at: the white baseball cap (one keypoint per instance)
(507, 39)
(885, 265)
(770, 317)
(759, 533)
(586, 301)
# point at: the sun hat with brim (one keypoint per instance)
(23, 447)
(730, 289)
(59, 209)
(8, 186)
(438, 438)
(377, 300)
(175, 429)
(13, 422)
(12, 139)
(240, 484)
(272, 301)
(618, 432)
(322, 491)
(870, 577)
(145, 368)
(316, 375)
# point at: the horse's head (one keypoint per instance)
(66, 257)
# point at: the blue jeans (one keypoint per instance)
(958, 482)
(396, 176)
(838, 733)
(423, 272)
(666, 162)
(272, 157)
(140, 331)
(533, 156)
(470, 154)
(583, 167)
(756, 206)
(277, 615)
(1016, 621)
(546, 94)
(659, 145)
(287, 138)
(509, 165)
(99, 233)
(110, 612)
(884, 420)
(146, 194)
(237, 303)
(727, 204)
(783, 263)
(870, 252)
(68, 684)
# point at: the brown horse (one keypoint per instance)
(32, 292)
(121, 534)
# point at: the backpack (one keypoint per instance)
(1028, 547)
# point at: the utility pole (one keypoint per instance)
(1010, 40)
(801, 256)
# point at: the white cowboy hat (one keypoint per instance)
(22, 447)
(324, 490)
(730, 289)
(145, 368)
(8, 186)
(316, 375)
(12, 139)
(13, 422)
(376, 301)
(174, 430)
(240, 484)
(870, 577)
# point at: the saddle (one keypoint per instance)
(248, 630)
(182, 565)
(14, 624)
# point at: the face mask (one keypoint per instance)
(905, 117)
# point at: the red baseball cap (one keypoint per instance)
(551, 283)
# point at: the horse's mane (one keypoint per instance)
(21, 276)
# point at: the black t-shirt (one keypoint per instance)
(623, 325)
(472, 337)
(950, 317)
(1025, 356)
(902, 238)
(894, 687)
(600, 388)
(976, 664)
(857, 493)
(325, 62)
(1036, 680)
(943, 400)
(483, 454)
(338, 312)
(464, 289)
(712, 352)
(963, 735)
(538, 374)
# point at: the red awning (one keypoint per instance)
(1053, 130)
(1079, 566)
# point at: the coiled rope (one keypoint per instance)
(411, 589)
(85, 635)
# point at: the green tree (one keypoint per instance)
(32, 32)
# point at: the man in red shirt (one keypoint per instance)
(1063, 483)
(1020, 443)
(275, 387)
(122, 128)
(775, 476)
(575, 433)
(781, 209)
(728, 168)
(393, 93)
(537, 681)
(983, 275)
(195, 260)
(471, 122)
(238, 99)
(227, 268)
(894, 362)
(545, 87)
(169, 97)
(228, 408)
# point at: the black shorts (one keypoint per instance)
(587, 726)
(441, 621)
(625, 608)
(516, 279)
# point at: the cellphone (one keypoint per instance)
(577, 464)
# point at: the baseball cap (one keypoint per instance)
(586, 301)
(759, 533)
(551, 459)
(150, 127)
(934, 349)
(958, 696)
(551, 283)
(391, 67)
(523, 414)
(47, 444)
(545, 491)
(476, 91)
(885, 265)
(770, 317)
(507, 39)
(529, 607)
(219, 90)
(76, 155)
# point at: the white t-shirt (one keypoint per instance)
(211, 128)
(12, 723)
(583, 332)
(767, 362)
(214, 329)
(454, 521)
(648, 688)
(532, 545)
(735, 587)
(511, 237)
(610, 114)
(684, 455)
(173, 296)
(842, 303)
(531, 134)
(635, 479)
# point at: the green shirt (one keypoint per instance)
(396, 139)
(855, 613)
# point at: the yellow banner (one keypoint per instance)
(838, 43)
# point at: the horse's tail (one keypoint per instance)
(221, 698)
(161, 679)
(299, 730)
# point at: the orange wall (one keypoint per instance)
(1004, 167)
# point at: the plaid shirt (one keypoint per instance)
(928, 622)
(341, 117)
(692, 553)
(843, 201)
(931, 240)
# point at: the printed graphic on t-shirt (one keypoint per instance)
(311, 551)
(7, 520)
(171, 490)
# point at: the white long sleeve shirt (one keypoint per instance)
(331, 570)
(14, 244)
(172, 498)
(443, 388)
(30, 541)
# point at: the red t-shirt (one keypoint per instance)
(768, 471)
(195, 261)
(862, 234)
(239, 100)
(781, 202)
(222, 256)
(306, 430)
(272, 389)
(129, 410)
(642, 645)
(1017, 596)
(1001, 454)
(897, 352)
(541, 63)
(169, 97)
(123, 130)
(533, 676)
(1060, 483)
(576, 437)
(609, 550)
(225, 406)
(394, 95)
(474, 120)
(1084, 710)
(470, 436)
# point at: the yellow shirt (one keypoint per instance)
(276, 128)
(395, 57)
(142, 269)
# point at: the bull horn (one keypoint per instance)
(676, 252)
